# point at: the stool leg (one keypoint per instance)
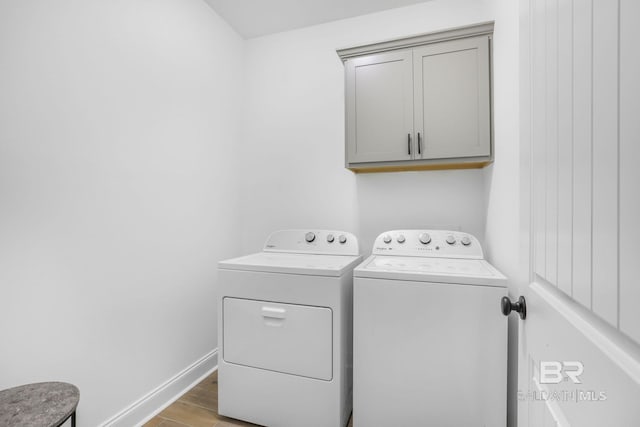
(73, 419)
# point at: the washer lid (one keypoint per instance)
(292, 263)
(424, 269)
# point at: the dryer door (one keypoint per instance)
(289, 338)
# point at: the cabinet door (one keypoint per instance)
(380, 107)
(452, 99)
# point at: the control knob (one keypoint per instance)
(342, 239)
(386, 239)
(310, 237)
(465, 241)
(330, 238)
(400, 239)
(424, 238)
(450, 239)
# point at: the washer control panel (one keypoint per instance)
(325, 242)
(428, 243)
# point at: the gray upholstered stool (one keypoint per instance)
(39, 405)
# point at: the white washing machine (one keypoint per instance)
(430, 341)
(285, 330)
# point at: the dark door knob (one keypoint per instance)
(519, 306)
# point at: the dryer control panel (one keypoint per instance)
(310, 241)
(428, 243)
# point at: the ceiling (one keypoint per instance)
(254, 18)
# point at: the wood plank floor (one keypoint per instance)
(198, 408)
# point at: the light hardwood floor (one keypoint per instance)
(198, 408)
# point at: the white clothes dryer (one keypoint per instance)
(285, 330)
(430, 341)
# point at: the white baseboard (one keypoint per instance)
(158, 399)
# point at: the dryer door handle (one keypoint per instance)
(274, 312)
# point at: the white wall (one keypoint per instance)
(293, 136)
(503, 184)
(292, 151)
(503, 230)
(118, 125)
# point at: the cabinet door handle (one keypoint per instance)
(419, 144)
(409, 143)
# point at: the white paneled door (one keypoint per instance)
(579, 346)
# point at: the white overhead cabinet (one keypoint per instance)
(420, 103)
